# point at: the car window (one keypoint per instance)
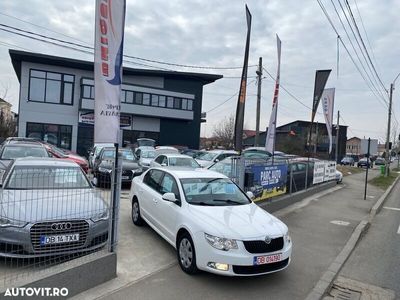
(301, 167)
(159, 159)
(13, 152)
(169, 185)
(153, 179)
(164, 161)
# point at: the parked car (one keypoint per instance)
(191, 152)
(210, 157)
(104, 162)
(146, 142)
(201, 214)
(338, 176)
(298, 169)
(347, 161)
(364, 162)
(19, 149)
(45, 220)
(380, 161)
(59, 153)
(166, 150)
(94, 152)
(174, 160)
(146, 156)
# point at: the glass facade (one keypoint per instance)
(58, 135)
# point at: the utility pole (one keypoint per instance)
(388, 131)
(337, 137)
(259, 79)
(316, 140)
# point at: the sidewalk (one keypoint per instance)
(320, 227)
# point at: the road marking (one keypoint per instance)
(391, 208)
(338, 222)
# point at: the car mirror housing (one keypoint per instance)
(169, 197)
(250, 195)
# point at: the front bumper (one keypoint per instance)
(17, 242)
(240, 261)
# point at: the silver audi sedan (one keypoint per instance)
(48, 207)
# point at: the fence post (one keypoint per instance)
(115, 198)
(306, 176)
(291, 179)
(241, 169)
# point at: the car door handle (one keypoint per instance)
(155, 200)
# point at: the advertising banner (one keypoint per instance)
(328, 98)
(88, 118)
(321, 77)
(319, 172)
(330, 171)
(239, 120)
(268, 181)
(109, 40)
(271, 133)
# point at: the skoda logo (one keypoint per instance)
(61, 226)
(268, 240)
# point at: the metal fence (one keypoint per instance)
(50, 213)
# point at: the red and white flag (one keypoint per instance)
(271, 133)
(108, 53)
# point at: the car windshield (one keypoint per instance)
(223, 167)
(183, 162)
(13, 152)
(148, 153)
(209, 156)
(127, 154)
(213, 192)
(46, 178)
(58, 151)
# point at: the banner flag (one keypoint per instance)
(108, 52)
(321, 77)
(271, 133)
(328, 99)
(239, 120)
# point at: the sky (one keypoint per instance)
(213, 33)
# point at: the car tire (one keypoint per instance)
(135, 213)
(186, 254)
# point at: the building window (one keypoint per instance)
(138, 98)
(58, 135)
(187, 104)
(146, 99)
(129, 96)
(177, 103)
(122, 96)
(170, 102)
(190, 104)
(154, 100)
(161, 101)
(88, 91)
(51, 87)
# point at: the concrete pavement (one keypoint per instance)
(319, 231)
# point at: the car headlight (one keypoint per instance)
(103, 216)
(104, 170)
(287, 237)
(221, 243)
(4, 222)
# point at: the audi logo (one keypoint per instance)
(61, 226)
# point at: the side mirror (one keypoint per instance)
(138, 173)
(169, 197)
(250, 195)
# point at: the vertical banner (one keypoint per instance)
(321, 77)
(328, 98)
(271, 133)
(239, 120)
(108, 52)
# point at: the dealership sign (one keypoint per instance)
(88, 118)
(324, 171)
(269, 181)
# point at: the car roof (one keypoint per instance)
(171, 155)
(182, 173)
(25, 144)
(222, 151)
(44, 161)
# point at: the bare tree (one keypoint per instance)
(224, 131)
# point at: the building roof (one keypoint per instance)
(354, 138)
(302, 122)
(4, 102)
(18, 56)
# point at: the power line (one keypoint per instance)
(128, 56)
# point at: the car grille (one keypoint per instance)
(263, 247)
(259, 269)
(40, 229)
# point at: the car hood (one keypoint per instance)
(126, 165)
(204, 163)
(145, 161)
(40, 205)
(240, 222)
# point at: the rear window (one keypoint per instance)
(13, 152)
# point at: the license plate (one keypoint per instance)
(59, 239)
(125, 177)
(267, 259)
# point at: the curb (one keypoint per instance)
(326, 281)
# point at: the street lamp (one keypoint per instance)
(389, 120)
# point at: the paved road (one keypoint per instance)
(317, 242)
(375, 260)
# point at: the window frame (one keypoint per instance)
(62, 81)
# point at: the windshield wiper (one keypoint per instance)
(228, 201)
(202, 203)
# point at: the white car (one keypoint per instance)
(339, 176)
(174, 160)
(146, 156)
(213, 225)
(210, 157)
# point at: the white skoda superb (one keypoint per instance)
(214, 226)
